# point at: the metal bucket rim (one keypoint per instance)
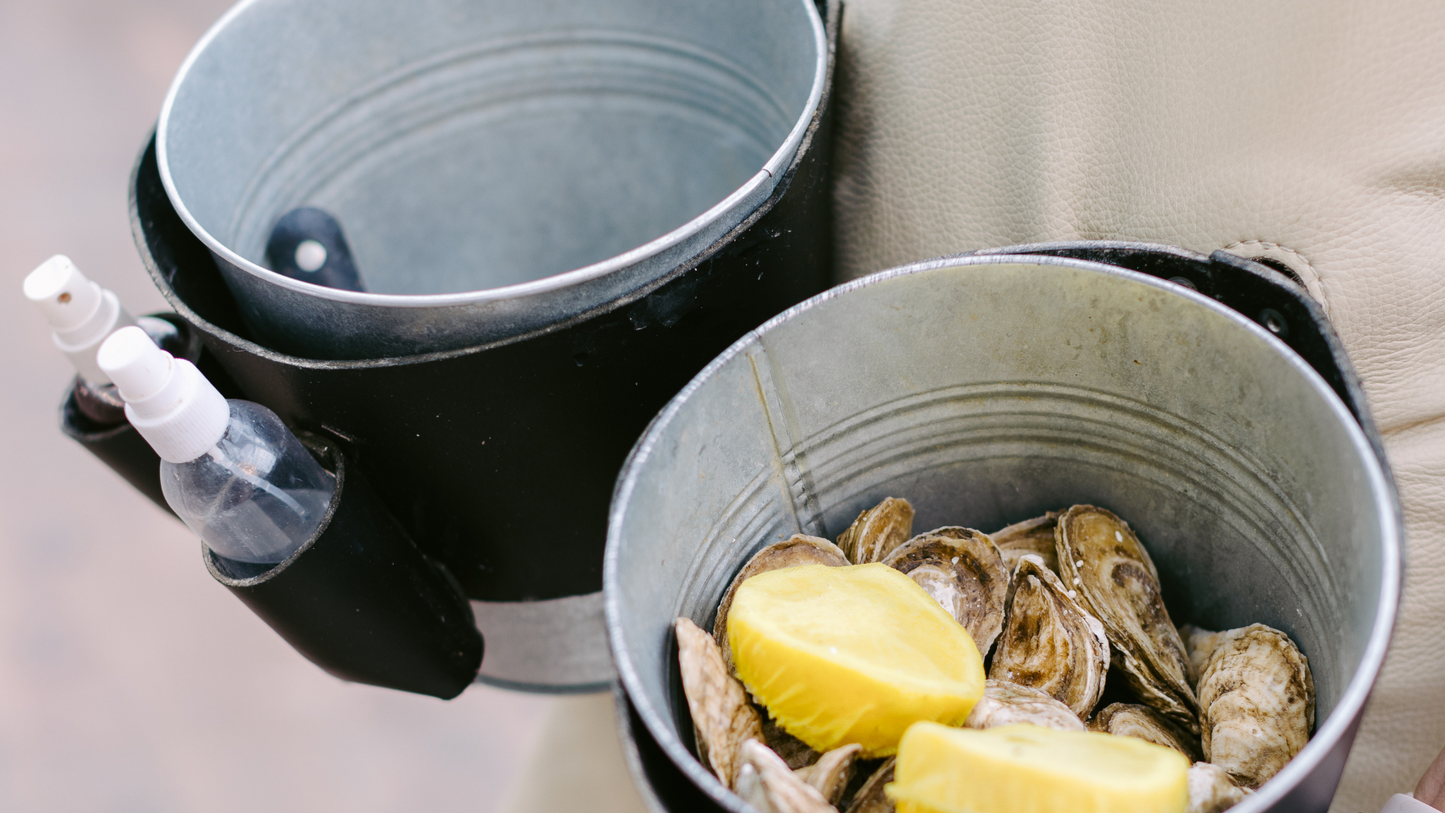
(764, 181)
(1352, 700)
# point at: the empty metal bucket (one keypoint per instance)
(497, 167)
(988, 390)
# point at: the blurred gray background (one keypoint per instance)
(129, 681)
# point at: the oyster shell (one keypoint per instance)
(831, 773)
(1199, 644)
(1049, 642)
(1211, 790)
(870, 798)
(964, 572)
(877, 531)
(799, 549)
(722, 716)
(768, 784)
(1101, 558)
(1257, 703)
(1143, 722)
(1034, 536)
(1005, 703)
(749, 788)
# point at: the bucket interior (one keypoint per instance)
(468, 145)
(989, 391)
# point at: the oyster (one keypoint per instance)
(749, 788)
(831, 773)
(1005, 703)
(877, 531)
(1211, 790)
(870, 798)
(1034, 536)
(1143, 722)
(1199, 644)
(1049, 642)
(964, 572)
(768, 784)
(797, 550)
(722, 716)
(1100, 557)
(1257, 703)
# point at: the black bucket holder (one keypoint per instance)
(499, 460)
(359, 600)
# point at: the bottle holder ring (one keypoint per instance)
(359, 600)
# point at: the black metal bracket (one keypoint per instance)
(1259, 292)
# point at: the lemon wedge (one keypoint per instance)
(1028, 769)
(842, 655)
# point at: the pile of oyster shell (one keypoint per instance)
(1054, 604)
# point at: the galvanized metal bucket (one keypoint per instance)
(987, 390)
(498, 167)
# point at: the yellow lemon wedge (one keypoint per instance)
(856, 654)
(1028, 769)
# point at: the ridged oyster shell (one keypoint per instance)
(1257, 703)
(799, 549)
(1199, 644)
(877, 531)
(1005, 703)
(722, 716)
(1211, 790)
(1034, 536)
(1101, 558)
(768, 784)
(964, 572)
(832, 772)
(1049, 642)
(1143, 722)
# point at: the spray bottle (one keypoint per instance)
(82, 314)
(230, 469)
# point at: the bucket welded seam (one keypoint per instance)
(754, 525)
(783, 426)
(1325, 737)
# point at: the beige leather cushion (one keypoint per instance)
(1318, 126)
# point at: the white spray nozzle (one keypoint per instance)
(80, 312)
(138, 367)
(179, 413)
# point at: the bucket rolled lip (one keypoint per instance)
(1343, 717)
(758, 187)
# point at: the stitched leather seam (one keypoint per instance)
(1295, 261)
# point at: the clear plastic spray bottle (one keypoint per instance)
(230, 469)
(81, 315)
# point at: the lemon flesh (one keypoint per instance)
(856, 654)
(1028, 769)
